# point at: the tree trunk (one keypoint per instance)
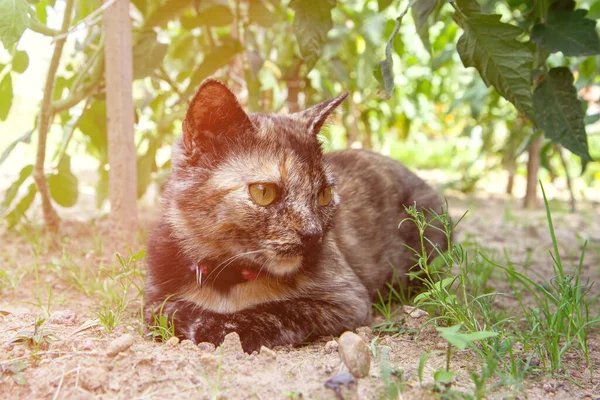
(510, 182)
(533, 165)
(122, 179)
(51, 219)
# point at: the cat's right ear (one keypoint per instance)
(214, 111)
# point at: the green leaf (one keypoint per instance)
(209, 13)
(261, 15)
(93, 125)
(13, 189)
(146, 164)
(569, 32)
(444, 377)
(421, 11)
(312, 21)
(141, 5)
(25, 138)
(214, 60)
(491, 47)
(41, 12)
(6, 96)
(468, 6)
(20, 62)
(64, 186)
(14, 19)
(167, 12)
(421, 367)
(22, 206)
(560, 113)
(20, 379)
(148, 54)
(591, 119)
(17, 366)
(461, 340)
(383, 4)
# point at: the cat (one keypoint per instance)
(264, 234)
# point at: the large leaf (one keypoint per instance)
(312, 21)
(491, 47)
(560, 113)
(421, 11)
(64, 186)
(13, 189)
(569, 32)
(258, 13)
(209, 13)
(168, 11)
(6, 96)
(148, 54)
(214, 60)
(14, 19)
(22, 206)
(468, 6)
(93, 125)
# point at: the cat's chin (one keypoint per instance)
(285, 265)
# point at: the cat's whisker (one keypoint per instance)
(231, 260)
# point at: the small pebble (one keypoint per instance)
(413, 312)
(93, 378)
(63, 317)
(265, 351)
(343, 385)
(174, 341)
(331, 346)
(119, 345)
(88, 344)
(231, 345)
(206, 347)
(355, 354)
(441, 345)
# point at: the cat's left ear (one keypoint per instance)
(315, 117)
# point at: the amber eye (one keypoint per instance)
(325, 196)
(263, 194)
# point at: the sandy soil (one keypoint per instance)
(83, 364)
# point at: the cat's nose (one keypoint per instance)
(311, 237)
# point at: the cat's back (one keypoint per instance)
(374, 189)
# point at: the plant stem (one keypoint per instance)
(43, 29)
(51, 219)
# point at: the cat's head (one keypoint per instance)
(250, 189)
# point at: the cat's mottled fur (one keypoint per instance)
(293, 269)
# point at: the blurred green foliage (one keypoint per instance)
(407, 77)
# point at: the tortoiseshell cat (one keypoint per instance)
(263, 234)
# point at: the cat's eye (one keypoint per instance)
(263, 194)
(325, 196)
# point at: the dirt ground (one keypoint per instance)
(67, 283)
